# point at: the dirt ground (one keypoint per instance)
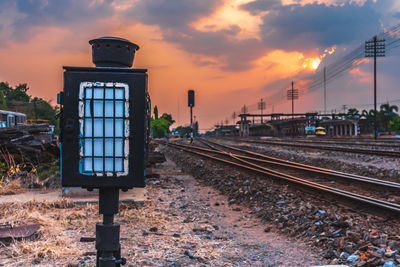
(182, 223)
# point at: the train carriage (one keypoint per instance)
(10, 119)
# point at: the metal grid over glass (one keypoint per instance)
(104, 128)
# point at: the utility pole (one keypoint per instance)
(344, 108)
(261, 106)
(244, 112)
(375, 48)
(244, 109)
(325, 90)
(292, 94)
(234, 117)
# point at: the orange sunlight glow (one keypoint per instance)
(311, 63)
(228, 15)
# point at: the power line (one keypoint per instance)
(339, 67)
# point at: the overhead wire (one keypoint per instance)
(341, 66)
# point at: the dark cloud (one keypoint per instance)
(234, 55)
(259, 6)
(173, 17)
(292, 27)
(172, 14)
(60, 13)
(296, 27)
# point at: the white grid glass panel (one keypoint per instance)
(104, 128)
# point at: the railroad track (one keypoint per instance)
(304, 167)
(340, 142)
(348, 139)
(375, 152)
(248, 163)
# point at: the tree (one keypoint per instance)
(18, 95)
(367, 121)
(41, 109)
(183, 130)
(167, 117)
(196, 128)
(386, 114)
(155, 111)
(17, 99)
(352, 114)
(394, 124)
(159, 128)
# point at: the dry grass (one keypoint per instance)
(13, 187)
(53, 242)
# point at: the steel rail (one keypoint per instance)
(331, 148)
(263, 170)
(351, 139)
(332, 142)
(304, 167)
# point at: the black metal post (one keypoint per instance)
(292, 96)
(191, 125)
(108, 232)
(324, 90)
(375, 125)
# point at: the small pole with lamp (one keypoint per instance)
(103, 135)
(191, 105)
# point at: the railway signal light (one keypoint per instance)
(191, 105)
(103, 120)
(191, 98)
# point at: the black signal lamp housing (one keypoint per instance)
(104, 112)
(103, 122)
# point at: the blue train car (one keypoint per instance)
(10, 119)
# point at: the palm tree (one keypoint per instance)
(364, 114)
(389, 108)
(386, 114)
(367, 120)
(352, 114)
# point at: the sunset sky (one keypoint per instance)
(231, 52)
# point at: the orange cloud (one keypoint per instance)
(358, 62)
(231, 14)
(360, 76)
(326, 2)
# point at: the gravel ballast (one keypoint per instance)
(341, 234)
